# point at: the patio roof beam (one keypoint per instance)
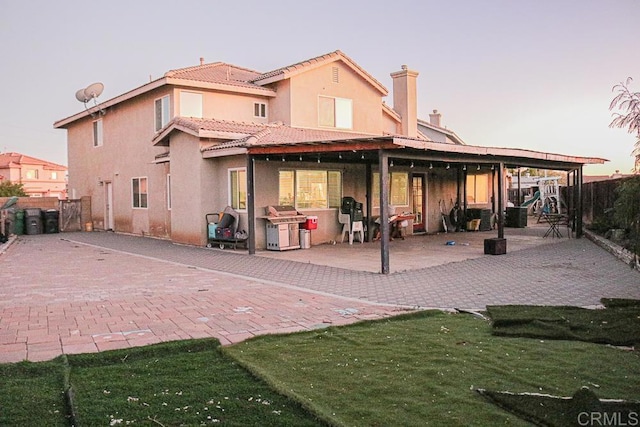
(509, 162)
(328, 147)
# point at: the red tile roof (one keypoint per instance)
(217, 72)
(261, 134)
(285, 72)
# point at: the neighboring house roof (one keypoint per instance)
(303, 66)
(449, 133)
(8, 160)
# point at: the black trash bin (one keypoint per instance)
(516, 217)
(33, 221)
(51, 221)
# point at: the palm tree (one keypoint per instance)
(629, 104)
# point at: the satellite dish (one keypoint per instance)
(80, 96)
(93, 90)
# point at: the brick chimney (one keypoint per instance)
(405, 100)
(435, 118)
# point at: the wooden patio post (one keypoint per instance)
(251, 209)
(383, 164)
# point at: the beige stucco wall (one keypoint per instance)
(226, 106)
(126, 153)
(307, 87)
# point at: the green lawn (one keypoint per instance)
(417, 369)
(423, 369)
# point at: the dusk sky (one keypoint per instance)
(532, 74)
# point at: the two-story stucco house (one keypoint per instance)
(39, 178)
(157, 159)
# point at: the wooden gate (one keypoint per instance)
(70, 215)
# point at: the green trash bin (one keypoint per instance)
(18, 225)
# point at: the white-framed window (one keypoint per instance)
(168, 191)
(238, 188)
(398, 189)
(32, 174)
(190, 104)
(335, 112)
(139, 192)
(161, 112)
(477, 189)
(259, 109)
(310, 188)
(54, 175)
(97, 133)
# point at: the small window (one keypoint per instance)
(97, 133)
(259, 109)
(54, 175)
(477, 189)
(139, 192)
(190, 104)
(161, 112)
(335, 112)
(238, 188)
(398, 189)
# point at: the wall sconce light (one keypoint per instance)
(448, 166)
(411, 165)
(318, 158)
(267, 158)
(430, 165)
(478, 167)
(362, 157)
(301, 158)
(391, 164)
(340, 156)
(491, 167)
(283, 158)
(464, 167)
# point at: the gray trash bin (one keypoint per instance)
(33, 221)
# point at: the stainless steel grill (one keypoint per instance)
(283, 226)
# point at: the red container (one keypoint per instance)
(311, 223)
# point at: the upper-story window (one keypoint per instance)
(190, 104)
(335, 112)
(54, 175)
(97, 133)
(32, 174)
(161, 112)
(259, 109)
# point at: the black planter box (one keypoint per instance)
(495, 246)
